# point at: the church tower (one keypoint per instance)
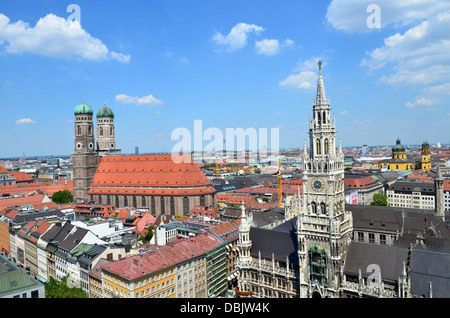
(324, 228)
(85, 156)
(439, 188)
(105, 130)
(426, 153)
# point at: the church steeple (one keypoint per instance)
(321, 98)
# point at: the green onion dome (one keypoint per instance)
(105, 112)
(83, 109)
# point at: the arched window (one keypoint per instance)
(163, 206)
(99, 199)
(134, 202)
(144, 202)
(318, 119)
(111, 132)
(326, 146)
(101, 131)
(117, 201)
(313, 207)
(153, 209)
(185, 205)
(78, 130)
(108, 200)
(202, 200)
(90, 130)
(318, 147)
(323, 208)
(324, 119)
(172, 206)
(125, 200)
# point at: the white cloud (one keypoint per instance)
(423, 101)
(305, 80)
(267, 47)
(343, 113)
(287, 43)
(237, 38)
(272, 46)
(148, 100)
(304, 77)
(351, 15)
(53, 36)
(418, 58)
(124, 59)
(25, 121)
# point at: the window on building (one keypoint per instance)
(202, 200)
(163, 206)
(360, 237)
(172, 206)
(382, 239)
(185, 205)
(371, 238)
(153, 201)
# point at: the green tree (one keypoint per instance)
(63, 289)
(62, 197)
(148, 236)
(380, 199)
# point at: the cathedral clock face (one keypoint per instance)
(317, 184)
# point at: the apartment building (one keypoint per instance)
(181, 268)
(411, 194)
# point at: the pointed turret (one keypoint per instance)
(321, 98)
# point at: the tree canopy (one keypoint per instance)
(63, 289)
(380, 199)
(62, 197)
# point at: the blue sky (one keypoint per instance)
(160, 65)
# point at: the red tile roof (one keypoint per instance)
(248, 201)
(360, 183)
(160, 257)
(46, 187)
(203, 211)
(25, 200)
(149, 175)
(21, 176)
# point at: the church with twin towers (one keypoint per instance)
(102, 175)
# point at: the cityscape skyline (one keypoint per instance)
(161, 66)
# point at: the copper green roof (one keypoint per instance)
(398, 146)
(83, 109)
(105, 112)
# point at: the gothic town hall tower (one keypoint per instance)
(324, 228)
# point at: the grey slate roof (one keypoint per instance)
(389, 259)
(380, 218)
(282, 244)
(433, 266)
